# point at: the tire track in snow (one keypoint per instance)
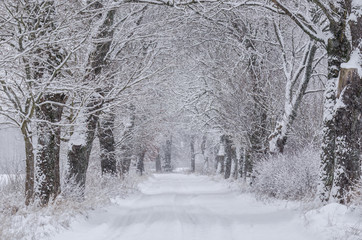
(187, 207)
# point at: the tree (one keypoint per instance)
(107, 142)
(167, 155)
(127, 140)
(229, 154)
(80, 144)
(47, 159)
(193, 155)
(33, 32)
(330, 24)
(294, 90)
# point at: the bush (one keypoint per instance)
(18, 221)
(289, 176)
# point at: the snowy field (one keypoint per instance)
(178, 206)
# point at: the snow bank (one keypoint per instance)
(33, 222)
(336, 221)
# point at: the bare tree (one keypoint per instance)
(295, 88)
(330, 25)
(33, 32)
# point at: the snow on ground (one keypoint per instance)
(336, 221)
(178, 206)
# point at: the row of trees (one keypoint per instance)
(66, 67)
(321, 33)
(140, 76)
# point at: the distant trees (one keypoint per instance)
(233, 96)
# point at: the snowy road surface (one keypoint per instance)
(189, 207)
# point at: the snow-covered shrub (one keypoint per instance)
(288, 176)
(18, 221)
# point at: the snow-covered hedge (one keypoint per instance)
(288, 176)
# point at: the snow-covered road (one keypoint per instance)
(189, 207)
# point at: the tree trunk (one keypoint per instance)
(278, 138)
(205, 167)
(220, 156)
(348, 135)
(140, 162)
(236, 164)
(29, 159)
(228, 155)
(338, 51)
(192, 145)
(203, 145)
(48, 148)
(158, 163)
(220, 164)
(127, 142)
(39, 18)
(107, 143)
(80, 144)
(247, 166)
(257, 134)
(241, 163)
(167, 164)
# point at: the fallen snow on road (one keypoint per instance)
(335, 221)
(178, 206)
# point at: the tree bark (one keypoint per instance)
(80, 144)
(205, 167)
(158, 163)
(107, 143)
(236, 164)
(167, 162)
(220, 156)
(257, 134)
(241, 163)
(220, 164)
(338, 50)
(127, 142)
(47, 159)
(247, 166)
(228, 155)
(140, 161)
(348, 135)
(192, 145)
(29, 159)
